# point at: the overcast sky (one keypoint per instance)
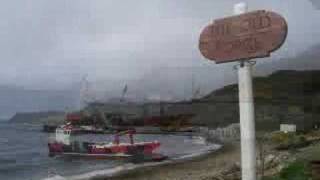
(53, 43)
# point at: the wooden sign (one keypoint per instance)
(251, 35)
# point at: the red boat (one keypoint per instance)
(63, 146)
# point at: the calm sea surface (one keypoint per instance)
(24, 153)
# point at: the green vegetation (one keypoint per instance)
(301, 168)
(286, 141)
(284, 97)
(311, 153)
(297, 170)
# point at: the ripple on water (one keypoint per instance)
(25, 153)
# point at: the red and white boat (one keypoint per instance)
(63, 146)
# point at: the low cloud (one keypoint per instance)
(316, 3)
(52, 44)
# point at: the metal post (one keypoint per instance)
(246, 108)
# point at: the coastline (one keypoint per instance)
(222, 163)
(201, 167)
(138, 171)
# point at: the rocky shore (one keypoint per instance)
(202, 167)
(224, 164)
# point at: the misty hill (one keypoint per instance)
(285, 96)
(306, 60)
(17, 99)
(38, 117)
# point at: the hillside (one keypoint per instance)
(283, 97)
(51, 117)
(18, 99)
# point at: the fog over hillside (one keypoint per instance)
(17, 99)
(61, 41)
(170, 84)
(152, 47)
(176, 82)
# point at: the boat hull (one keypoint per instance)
(86, 149)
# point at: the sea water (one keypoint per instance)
(24, 153)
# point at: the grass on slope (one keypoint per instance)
(297, 170)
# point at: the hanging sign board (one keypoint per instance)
(250, 35)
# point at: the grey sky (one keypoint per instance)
(316, 3)
(53, 43)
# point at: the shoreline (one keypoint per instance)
(199, 167)
(223, 163)
(127, 170)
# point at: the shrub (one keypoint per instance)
(294, 171)
(281, 137)
(286, 141)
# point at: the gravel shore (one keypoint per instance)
(201, 168)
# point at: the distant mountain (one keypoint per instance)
(16, 99)
(172, 83)
(286, 96)
(38, 117)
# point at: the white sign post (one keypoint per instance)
(240, 38)
(246, 108)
